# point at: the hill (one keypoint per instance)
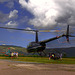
(68, 52)
(12, 48)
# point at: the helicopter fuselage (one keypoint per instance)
(36, 47)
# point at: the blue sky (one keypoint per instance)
(36, 14)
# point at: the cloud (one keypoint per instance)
(23, 19)
(13, 14)
(28, 28)
(4, 1)
(12, 24)
(50, 13)
(3, 17)
(10, 4)
(9, 19)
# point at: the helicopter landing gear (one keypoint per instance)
(42, 53)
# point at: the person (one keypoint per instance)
(53, 55)
(49, 56)
(12, 54)
(16, 54)
(61, 56)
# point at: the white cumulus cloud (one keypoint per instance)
(50, 13)
(13, 14)
(28, 28)
(11, 24)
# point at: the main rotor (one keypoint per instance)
(36, 31)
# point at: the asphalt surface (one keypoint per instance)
(8, 67)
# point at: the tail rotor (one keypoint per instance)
(67, 34)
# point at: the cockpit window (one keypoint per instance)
(33, 44)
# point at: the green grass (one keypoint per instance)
(42, 60)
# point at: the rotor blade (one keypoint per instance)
(71, 36)
(17, 29)
(49, 30)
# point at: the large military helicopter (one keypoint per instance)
(39, 46)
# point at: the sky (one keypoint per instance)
(36, 14)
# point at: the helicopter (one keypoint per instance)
(39, 46)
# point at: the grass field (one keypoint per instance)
(42, 60)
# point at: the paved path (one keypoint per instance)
(24, 68)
